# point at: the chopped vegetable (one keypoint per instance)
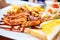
(55, 6)
(57, 17)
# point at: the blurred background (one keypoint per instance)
(4, 3)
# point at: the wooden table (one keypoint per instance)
(3, 4)
(55, 38)
(4, 38)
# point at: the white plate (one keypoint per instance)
(15, 35)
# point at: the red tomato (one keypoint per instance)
(55, 6)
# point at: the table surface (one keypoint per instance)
(5, 38)
(3, 4)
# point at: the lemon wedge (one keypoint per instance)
(49, 26)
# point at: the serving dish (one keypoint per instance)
(15, 35)
(3, 11)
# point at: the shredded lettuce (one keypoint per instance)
(57, 17)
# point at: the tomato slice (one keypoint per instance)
(55, 6)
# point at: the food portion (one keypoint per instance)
(36, 33)
(48, 27)
(49, 30)
(29, 16)
(51, 12)
(34, 17)
(26, 16)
